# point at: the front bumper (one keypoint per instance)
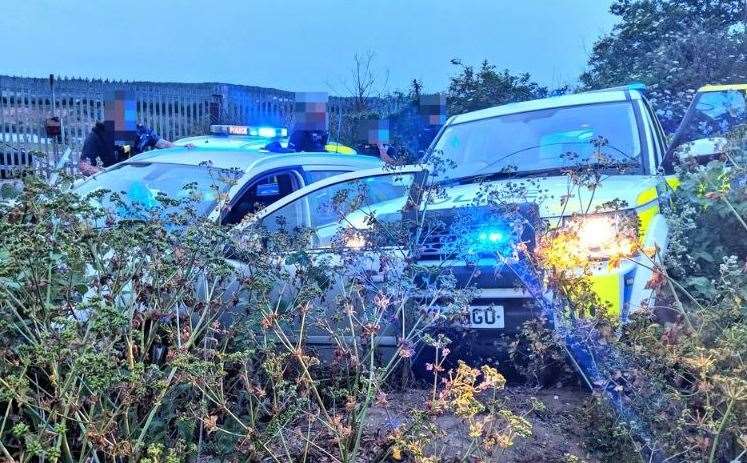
(622, 290)
(489, 285)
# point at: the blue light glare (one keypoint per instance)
(272, 132)
(494, 239)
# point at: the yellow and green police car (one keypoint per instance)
(589, 163)
(714, 112)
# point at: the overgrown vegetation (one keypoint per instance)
(688, 373)
(138, 340)
(679, 365)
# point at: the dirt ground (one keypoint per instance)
(557, 431)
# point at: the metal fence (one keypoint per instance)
(15, 162)
(173, 110)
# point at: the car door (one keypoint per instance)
(713, 113)
(342, 201)
(336, 213)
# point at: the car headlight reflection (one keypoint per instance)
(595, 232)
(606, 236)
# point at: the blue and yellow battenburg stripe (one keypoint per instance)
(334, 147)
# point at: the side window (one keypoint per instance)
(260, 194)
(316, 175)
(344, 204)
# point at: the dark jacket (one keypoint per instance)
(100, 144)
(308, 140)
(145, 139)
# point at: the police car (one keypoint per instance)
(714, 112)
(251, 138)
(211, 164)
(524, 152)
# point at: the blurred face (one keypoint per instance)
(374, 132)
(121, 109)
(432, 109)
(310, 111)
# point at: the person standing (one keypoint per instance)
(432, 116)
(310, 120)
(373, 139)
(99, 150)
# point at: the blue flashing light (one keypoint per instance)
(268, 132)
(640, 86)
(492, 240)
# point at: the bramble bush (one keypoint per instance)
(677, 367)
(694, 395)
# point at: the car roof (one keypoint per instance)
(596, 96)
(222, 141)
(721, 88)
(247, 159)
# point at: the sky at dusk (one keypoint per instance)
(298, 44)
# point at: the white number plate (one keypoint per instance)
(486, 317)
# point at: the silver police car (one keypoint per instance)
(204, 165)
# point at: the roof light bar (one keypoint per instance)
(640, 86)
(263, 132)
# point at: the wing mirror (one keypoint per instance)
(702, 150)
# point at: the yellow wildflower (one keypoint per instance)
(491, 379)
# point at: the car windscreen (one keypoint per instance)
(542, 140)
(141, 183)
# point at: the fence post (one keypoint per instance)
(55, 148)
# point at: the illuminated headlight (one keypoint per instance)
(604, 236)
(581, 239)
(355, 241)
